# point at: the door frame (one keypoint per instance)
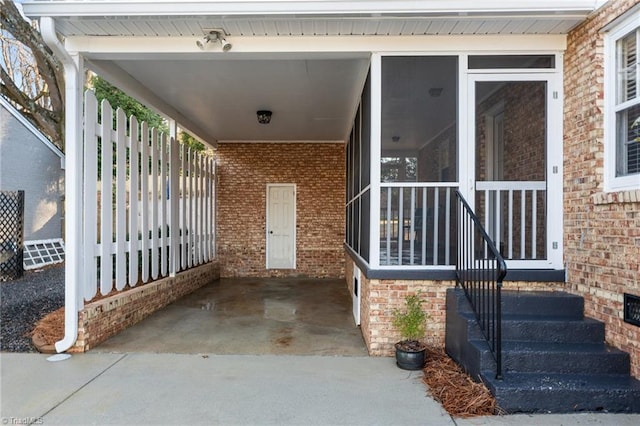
(554, 156)
(294, 225)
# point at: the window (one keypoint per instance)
(622, 129)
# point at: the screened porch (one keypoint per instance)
(479, 125)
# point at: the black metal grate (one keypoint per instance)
(632, 309)
(11, 234)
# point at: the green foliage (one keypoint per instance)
(118, 99)
(411, 322)
(191, 142)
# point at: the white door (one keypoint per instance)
(281, 226)
(514, 164)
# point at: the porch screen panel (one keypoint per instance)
(511, 128)
(418, 166)
(365, 107)
(365, 206)
(357, 208)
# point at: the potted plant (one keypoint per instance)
(411, 323)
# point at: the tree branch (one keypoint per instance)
(49, 69)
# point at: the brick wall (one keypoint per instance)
(380, 297)
(106, 317)
(244, 170)
(602, 230)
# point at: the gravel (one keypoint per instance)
(24, 301)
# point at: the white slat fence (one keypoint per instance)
(149, 202)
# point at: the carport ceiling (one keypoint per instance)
(312, 99)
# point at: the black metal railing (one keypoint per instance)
(480, 270)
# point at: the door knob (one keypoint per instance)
(271, 232)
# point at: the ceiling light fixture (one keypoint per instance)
(264, 116)
(213, 36)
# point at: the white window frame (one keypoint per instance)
(616, 33)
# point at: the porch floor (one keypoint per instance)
(250, 316)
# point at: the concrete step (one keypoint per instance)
(555, 304)
(542, 329)
(564, 393)
(558, 358)
(554, 359)
(552, 329)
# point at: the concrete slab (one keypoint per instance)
(230, 390)
(171, 389)
(251, 317)
(30, 386)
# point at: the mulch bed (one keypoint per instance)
(47, 331)
(454, 389)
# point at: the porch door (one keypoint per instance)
(281, 226)
(514, 157)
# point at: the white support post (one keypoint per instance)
(90, 195)
(376, 130)
(74, 73)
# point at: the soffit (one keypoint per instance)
(316, 17)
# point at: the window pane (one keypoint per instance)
(629, 141)
(628, 67)
(511, 61)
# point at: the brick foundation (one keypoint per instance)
(106, 317)
(381, 297)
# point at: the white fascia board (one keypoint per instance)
(60, 8)
(121, 79)
(185, 47)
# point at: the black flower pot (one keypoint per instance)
(410, 357)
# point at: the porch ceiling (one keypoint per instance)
(313, 90)
(312, 98)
